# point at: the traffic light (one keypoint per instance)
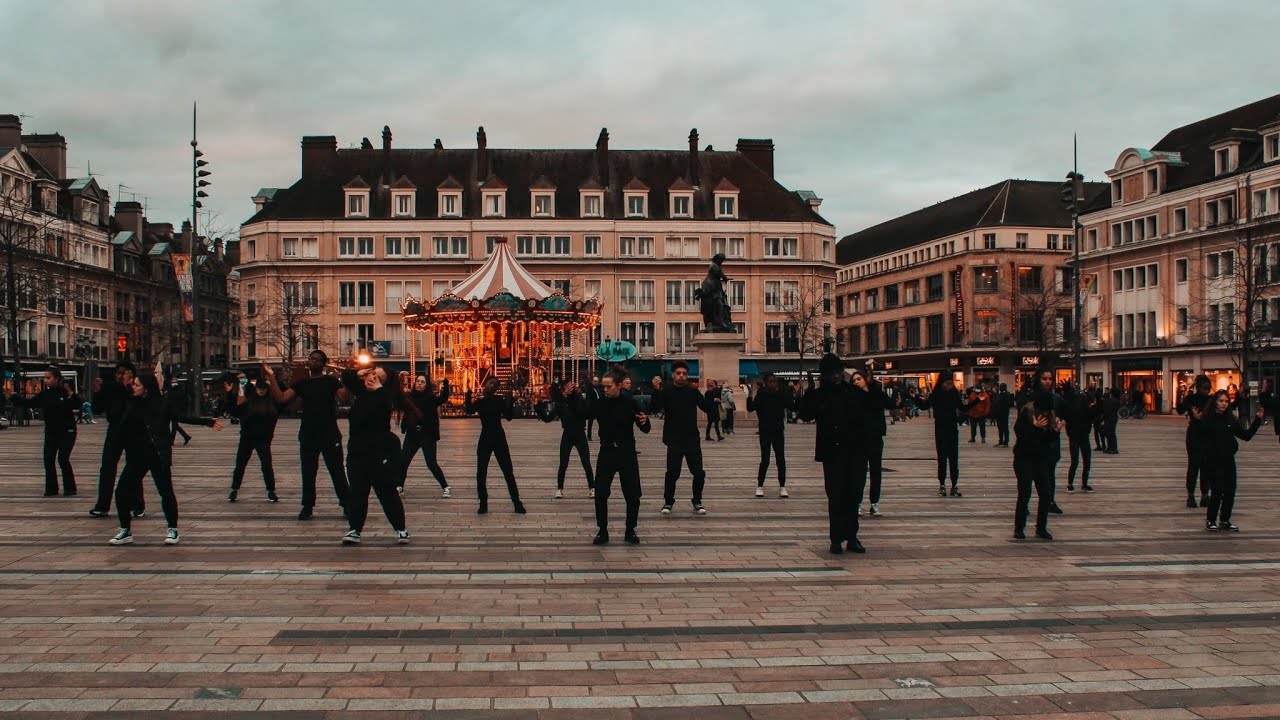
(1073, 192)
(122, 343)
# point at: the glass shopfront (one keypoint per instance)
(1143, 376)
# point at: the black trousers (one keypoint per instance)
(417, 441)
(570, 441)
(623, 463)
(874, 461)
(1002, 428)
(495, 447)
(680, 452)
(1080, 450)
(112, 450)
(976, 425)
(1099, 437)
(1034, 473)
(175, 430)
(250, 444)
(311, 446)
(590, 424)
(1109, 440)
(138, 461)
(375, 466)
(57, 456)
(713, 421)
(840, 477)
(946, 442)
(1221, 472)
(776, 441)
(1195, 456)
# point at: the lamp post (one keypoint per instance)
(1072, 198)
(198, 183)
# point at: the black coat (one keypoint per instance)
(616, 420)
(492, 410)
(832, 405)
(679, 406)
(426, 422)
(947, 406)
(57, 407)
(770, 408)
(1220, 432)
(148, 423)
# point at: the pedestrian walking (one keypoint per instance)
(618, 415)
(1195, 439)
(318, 434)
(1111, 405)
(1218, 461)
(978, 412)
(258, 415)
(420, 424)
(711, 406)
(948, 406)
(771, 405)
(1079, 412)
(831, 405)
(373, 451)
(110, 400)
(727, 408)
(680, 402)
(1001, 404)
(57, 402)
(492, 408)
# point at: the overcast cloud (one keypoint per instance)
(879, 107)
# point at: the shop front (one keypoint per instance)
(1142, 378)
(1026, 365)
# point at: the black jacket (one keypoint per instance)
(1033, 443)
(832, 406)
(1195, 428)
(679, 406)
(616, 420)
(1079, 412)
(111, 402)
(1220, 432)
(947, 406)
(57, 408)
(148, 424)
(426, 423)
(874, 402)
(572, 411)
(770, 408)
(492, 410)
(258, 416)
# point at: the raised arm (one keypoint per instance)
(281, 397)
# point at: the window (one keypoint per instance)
(1271, 147)
(873, 300)
(676, 247)
(988, 241)
(413, 247)
(674, 295)
(675, 337)
(1093, 239)
(1222, 161)
(1030, 330)
(1029, 279)
(913, 333)
(251, 250)
(346, 297)
(826, 251)
(592, 205)
(304, 295)
(890, 298)
(647, 344)
(1023, 241)
(933, 330)
(455, 246)
(591, 245)
(726, 206)
(394, 246)
(637, 205)
(251, 341)
(397, 290)
(364, 247)
(891, 335)
(450, 204)
(495, 204)
(872, 336)
(440, 287)
(627, 294)
(627, 332)
(289, 247)
(933, 285)
(1184, 320)
(781, 247)
(561, 245)
(591, 289)
(681, 206)
(543, 205)
(772, 296)
(690, 290)
(730, 247)
(57, 341)
(1051, 241)
(986, 326)
(738, 294)
(1180, 270)
(1220, 211)
(404, 204)
(364, 334)
(911, 292)
(986, 279)
(1180, 220)
(346, 247)
(356, 204)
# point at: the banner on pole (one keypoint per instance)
(182, 270)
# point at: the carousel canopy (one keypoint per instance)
(501, 273)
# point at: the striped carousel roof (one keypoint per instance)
(501, 273)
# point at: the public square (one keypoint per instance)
(1133, 612)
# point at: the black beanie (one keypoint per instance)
(830, 363)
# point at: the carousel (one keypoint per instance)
(501, 322)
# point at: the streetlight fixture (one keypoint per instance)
(198, 183)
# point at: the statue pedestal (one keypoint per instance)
(718, 355)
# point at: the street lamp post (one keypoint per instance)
(198, 183)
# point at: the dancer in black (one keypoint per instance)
(1034, 455)
(592, 393)
(1218, 461)
(679, 403)
(492, 408)
(617, 413)
(832, 405)
(1196, 439)
(571, 407)
(1001, 404)
(318, 433)
(176, 396)
(770, 406)
(421, 428)
(373, 451)
(111, 399)
(148, 435)
(58, 403)
(258, 414)
(870, 430)
(1080, 412)
(948, 405)
(711, 406)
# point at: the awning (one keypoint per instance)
(748, 369)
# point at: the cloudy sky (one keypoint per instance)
(879, 107)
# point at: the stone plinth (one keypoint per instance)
(718, 355)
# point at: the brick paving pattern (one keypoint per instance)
(1133, 613)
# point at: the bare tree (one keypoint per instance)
(1041, 312)
(806, 308)
(290, 303)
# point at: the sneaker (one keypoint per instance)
(97, 512)
(859, 509)
(1071, 488)
(782, 493)
(231, 496)
(601, 538)
(875, 509)
(402, 537)
(837, 548)
(272, 496)
(171, 537)
(698, 509)
(591, 493)
(666, 509)
(519, 508)
(1019, 534)
(400, 490)
(1191, 501)
(1087, 488)
(632, 538)
(1228, 527)
(483, 509)
(955, 492)
(942, 490)
(559, 493)
(124, 537)
(304, 513)
(351, 538)
(1211, 527)
(760, 491)
(447, 492)
(856, 547)
(139, 513)
(1043, 535)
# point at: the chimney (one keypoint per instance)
(50, 150)
(10, 131)
(318, 154)
(386, 138)
(233, 253)
(439, 145)
(482, 155)
(183, 239)
(602, 157)
(759, 152)
(219, 248)
(129, 217)
(693, 157)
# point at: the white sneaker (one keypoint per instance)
(875, 508)
(400, 490)
(124, 537)
(402, 537)
(171, 537)
(448, 492)
(698, 509)
(591, 493)
(666, 509)
(351, 538)
(782, 492)
(859, 509)
(760, 491)
(559, 493)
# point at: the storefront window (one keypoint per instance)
(1147, 385)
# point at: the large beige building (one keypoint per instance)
(977, 287)
(328, 261)
(1182, 258)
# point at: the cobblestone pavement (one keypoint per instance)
(1134, 612)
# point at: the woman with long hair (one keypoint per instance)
(147, 428)
(492, 408)
(373, 451)
(1036, 452)
(420, 424)
(57, 402)
(258, 414)
(1218, 461)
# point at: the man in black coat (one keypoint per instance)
(1000, 407)
(618, 415)
(833, 406)
(680, 402)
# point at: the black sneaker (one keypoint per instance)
(955, 492)
(124, 537)
(1055, 510)
(98, 512)
(272, 496)
(1228, 527)
(1191, 501)
(231, 497)
(483, 509)
(520, 508)
(837, 548)
(602, 538)
(942, 490)
(856, 547)
(1043, 535)
(1087, 488)
(1071, 488)
(698, 509)
(402, 537)
(351, 538)
(1211, 527)
(632, 538)
(140, 513)
(304, 514)
(1019, 534)
(666, 509)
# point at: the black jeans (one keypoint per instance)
(1002, 428)
(1109, 440)
(713, 421)
(976, 425)
(1080, 449)
(311, 446)
(1034, 473)
(840, 477)
(874, 461)
(249, 444)
(417, 441)
(1221, 472)
(679, 452)
(946, 442)
(175, 430)
(376, 466)
(774, 440)
(138, 461)
(621, 462)
(57, 456)
(1195, 455)
(496, 447)
(570, 441)
(112, 450)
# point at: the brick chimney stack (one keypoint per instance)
(602, 157)
(318, 154)
(482, 155)
(51, 150)
(759, 152)
(693, 157)
(386, 138)
(129, 217)
(10, 131)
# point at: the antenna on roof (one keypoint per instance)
(121, 188)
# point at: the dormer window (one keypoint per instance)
(592, 204)
(1117, 191)
(1153, 181)
(543, 204)
(402, 204)
(635, 196)
(1271, 147)
(493, 198)
(357, 197)
(681, 199)
(449, 198)
(1224, 160)
(726, 199)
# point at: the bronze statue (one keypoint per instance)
(713, 299)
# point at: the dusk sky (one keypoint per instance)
(879, 107)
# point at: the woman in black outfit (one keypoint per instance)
(1035, 453)
(771, 407)
(1080, 413)
(870, 429)
(147, 428)
(832, 405)
(421, 427)
(1196, 438)
(57, 403)
(258, 415)
(492, 408)
(1220, 429)
(947, 404)
(373, 451)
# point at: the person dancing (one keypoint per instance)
(492, 408)
(679, 403)
(57, 402)
(617, 413)
(111, 399)
(571, 407)
(1218, 461)
(770, 405)
(832, 405)
(373, 451)
(421, 427)
(1196, 439)
(948, 405)
(871, 429)
(258, 415)
(318, 434)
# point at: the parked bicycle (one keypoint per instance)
(1136, 412)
